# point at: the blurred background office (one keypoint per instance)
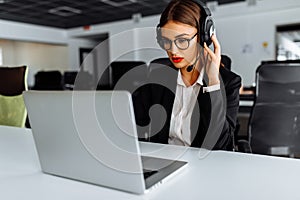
(53, 35)
(56, 40)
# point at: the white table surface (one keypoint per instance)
(218, 175)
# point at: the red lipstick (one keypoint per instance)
(177, 59)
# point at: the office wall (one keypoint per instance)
(121, 37)
(125, 40)
(27, 32)
(74, 44)
(63, 58)
(241, 30)
(37, 56)
(34, 33)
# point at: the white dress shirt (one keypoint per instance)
(185, 99)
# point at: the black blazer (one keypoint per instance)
(215, 126)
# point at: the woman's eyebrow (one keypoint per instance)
(184, 34)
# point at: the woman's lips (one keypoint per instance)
(177, 59)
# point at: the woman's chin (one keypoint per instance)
(179, 65)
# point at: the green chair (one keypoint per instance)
(13, 81)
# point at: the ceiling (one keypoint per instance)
(76, 13)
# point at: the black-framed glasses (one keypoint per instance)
(181, 43)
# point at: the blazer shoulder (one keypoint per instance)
(230, 77)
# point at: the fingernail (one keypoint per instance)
(205, 44)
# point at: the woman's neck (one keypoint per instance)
(189, 78)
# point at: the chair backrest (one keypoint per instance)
(78, 80)
(13, 81)
(160, 62)
(70, 77)
(127, 74)
(48, 80)
(274, 126)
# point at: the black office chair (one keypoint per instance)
(78, 80)
(158, 71)
(48, 80)
(160, 62)
(69, 78)
(128, 75)
(274, 125)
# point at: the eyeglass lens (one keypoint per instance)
(181, 43)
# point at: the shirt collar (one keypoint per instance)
(199, 80)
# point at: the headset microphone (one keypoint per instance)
(191, 67)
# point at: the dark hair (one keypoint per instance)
(183, 11)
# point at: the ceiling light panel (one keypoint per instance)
(117, 3)
(65, 11)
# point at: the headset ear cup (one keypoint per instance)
(209, 30)
(201, 32)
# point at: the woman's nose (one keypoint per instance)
(173, 48)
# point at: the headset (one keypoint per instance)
(206, 25)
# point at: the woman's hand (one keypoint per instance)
(213, 62)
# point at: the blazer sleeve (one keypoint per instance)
(232, 86)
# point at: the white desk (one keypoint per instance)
(220, 175)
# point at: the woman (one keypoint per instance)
(203, 110)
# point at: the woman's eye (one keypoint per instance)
(181, 40)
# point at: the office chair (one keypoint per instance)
(241, 145)
(158, 63)
(78, 80)
(48, 80)
(274, 126)
(13, 81)
(127, 75)
(69, 78)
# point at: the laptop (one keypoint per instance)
(91, 136)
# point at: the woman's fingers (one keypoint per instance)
(217, 46)
(216, 54)
(209, 51)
